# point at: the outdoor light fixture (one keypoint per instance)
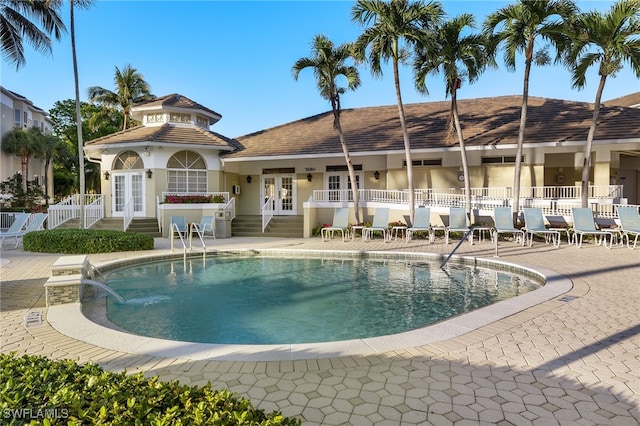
(149, 173)
(106, 175)
(376, 175)
(249, 179)
(309, 177)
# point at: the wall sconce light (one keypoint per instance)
(376, 175)
(309, 177)
(106, 175)
(249, 179)
(149, 173)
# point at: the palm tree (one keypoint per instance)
(83, 4)
(25, 144)
(394, 25)
(457, 57)
(606, 40)
(518, 27)
(328, 64)
(20, 20)
(131, 88)
(50, 145)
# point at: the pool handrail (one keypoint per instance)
(196, 229)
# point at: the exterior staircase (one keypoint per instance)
(142, 225)
(279, 226)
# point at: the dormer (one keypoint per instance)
(175, 110)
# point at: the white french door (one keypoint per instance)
(338, 183)
(125, 187)
(282, 191)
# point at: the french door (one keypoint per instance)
(126, 187)
(281, 189)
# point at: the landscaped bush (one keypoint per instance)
(189, 199)
(85, 241)
(35, 388)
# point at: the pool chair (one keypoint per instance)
(19, 222)
(178, 225)
(457, 223)
(36, 223)
(421, 223)
(629, 224)
(534, 225)
(503, 220)
(340, 224)
(584, 224)
(380, 223)
(206, 225)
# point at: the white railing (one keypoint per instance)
(267, 213)
(571, 192)
(7, 219)
(127, 214)
(231, 207)
(69, 209)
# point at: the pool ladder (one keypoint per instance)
(193, 229)
(466, 236)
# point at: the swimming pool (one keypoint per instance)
(266, 300)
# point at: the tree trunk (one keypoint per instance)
(78, 117)
(587, 151)
(405, 137)
(463, 154)
(24, 163)
(352, 173)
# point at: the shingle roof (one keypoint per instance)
(166, 134)
(175, 100)
(485, 121)
(632, 99)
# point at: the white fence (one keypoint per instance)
(69, 209)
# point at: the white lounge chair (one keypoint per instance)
(503, 220)
(629, 224)
(534, 224)
(584, 224)
(421, 223)
(36, 223)
(457, 223)
(380, 223)
(206, 225)
(340, 224)
(19, 222)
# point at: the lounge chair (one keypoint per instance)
(340, 224)
(629, 224)
(380, 223)
(503, 220)
(584, 224)
(534, 224)
(178, 224)
(421, 223)
(19, 222)
(207, 224)
(457, 223)
(36, 223)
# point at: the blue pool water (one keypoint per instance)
(265, 300)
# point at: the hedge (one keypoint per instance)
(85, 241)
(39, 391)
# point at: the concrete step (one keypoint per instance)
(279, 226)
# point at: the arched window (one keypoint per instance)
(186, 172)
(128, 160)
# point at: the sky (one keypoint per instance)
(235, 58)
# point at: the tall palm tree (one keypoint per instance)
(21, 20)
(83, 4)
(131, 88)
(606, 40)
(393, 26)
(457, 57)
(51, 144)
(517, 27)
(328, 64)
(25, 144)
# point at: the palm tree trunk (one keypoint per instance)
(463, 154)
(78, 117)
(587, 151)
(25, 172)
(352, 173)
(405, 137)
(47, 163)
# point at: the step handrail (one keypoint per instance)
(175, 230)
(200, 233)
(470, 231)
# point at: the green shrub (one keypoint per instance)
(85, 241)
(65, 393)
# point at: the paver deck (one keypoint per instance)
(574, 359)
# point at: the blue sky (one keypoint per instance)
(236, 58)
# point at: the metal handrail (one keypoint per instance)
(458, 246)
(176, 230)
(200, 233)
(127, 213)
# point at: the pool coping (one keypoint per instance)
(69, 320)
